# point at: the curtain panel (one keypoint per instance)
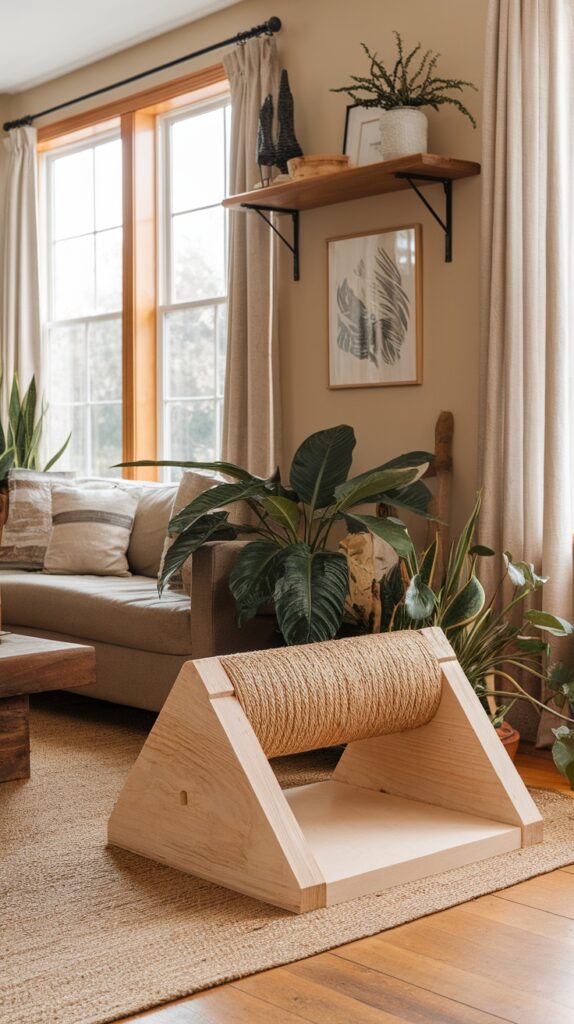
(527, 293)
(252, 410)
(20, 317)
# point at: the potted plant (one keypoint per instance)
(20, 438)
(289, 558)
(401, 90)
(493, 646)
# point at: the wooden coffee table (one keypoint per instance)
(29, 664)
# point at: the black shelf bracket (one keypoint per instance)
(292, 246)
(445, 224)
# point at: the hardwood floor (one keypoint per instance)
(505, 957)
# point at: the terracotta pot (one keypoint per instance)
(510, 737)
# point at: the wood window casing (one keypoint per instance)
(136, 115)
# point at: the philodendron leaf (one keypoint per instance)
(419, 459)
(213, 498)
(283, 511)
(392, 530)
(563, 752)
(552, 624)
(310, 594)
(227, 468)
(482, 551)
(465, 606)
(322, 462)
(415, 498)
(420, 600)
(531, 644)
(207, 528)
(515, 573)
(368, 486)
(254, 575)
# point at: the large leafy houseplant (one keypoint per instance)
(21, 435)
(495, 647)
(289, 559)
(406, 83)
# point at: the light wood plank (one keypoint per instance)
(553, 892)
(354, 183)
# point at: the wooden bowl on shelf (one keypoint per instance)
(313, 166)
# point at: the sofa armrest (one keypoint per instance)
(214, 628)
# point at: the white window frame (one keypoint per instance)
(47, 216)
(164, 257)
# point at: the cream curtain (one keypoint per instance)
(527, 290)
(20, 319)
(252, 412)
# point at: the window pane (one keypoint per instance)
(62, 420)
(199, 255)
(109, 271)
(105, 360)
(221, 347)
(198, 161)
(191, 430)
(73, 270)
(108, 200)
(73, 194)
(190, 352)
(106, 427)
(67, 361)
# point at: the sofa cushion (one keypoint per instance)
(26, 532)
(126, 611)
(155, 502)
(91, 530)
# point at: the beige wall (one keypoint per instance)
(319, 45)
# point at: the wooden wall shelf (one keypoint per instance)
(292, 197)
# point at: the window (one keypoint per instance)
(194, 146)
(135, 269)
(83, 333)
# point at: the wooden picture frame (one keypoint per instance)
(375, 308)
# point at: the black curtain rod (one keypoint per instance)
(267, 28)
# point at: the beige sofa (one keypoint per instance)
(141, 640)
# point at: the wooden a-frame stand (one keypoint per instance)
(202, 797)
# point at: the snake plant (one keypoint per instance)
(20, 438)
(289, 559)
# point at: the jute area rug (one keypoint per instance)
(90, 934)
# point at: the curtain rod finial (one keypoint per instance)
(274, 24)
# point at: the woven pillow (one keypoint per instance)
(91, 531)
(193, 483)
(26, 532)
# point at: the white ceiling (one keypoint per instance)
(41, 39)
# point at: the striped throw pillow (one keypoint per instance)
(26, 532)
(90, 531)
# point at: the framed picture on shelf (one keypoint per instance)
(375, 308)
(362, 138)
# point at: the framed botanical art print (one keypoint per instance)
(375, 308)
(362, 138)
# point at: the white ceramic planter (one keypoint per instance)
(403, 131)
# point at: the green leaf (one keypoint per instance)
(416, 498)
(13, 412)
(482, 551)
(58, 454)
(6, 462)
(464, 607)
(283, 511)
(559, 676)
(409, 459)
(420, 601)
(392, 593)
(531, 644)
(254, 575)
(227, 468)
(563, 752)
(321, 463)
(515, 573)
(368, 486)
(392, 530)
(552, 624)
(427, 563)
(213, 498)
(459, 552)
(310, 594)
(202, 530)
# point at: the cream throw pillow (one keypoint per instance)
(90, 531)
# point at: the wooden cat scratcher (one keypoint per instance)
(424, 784)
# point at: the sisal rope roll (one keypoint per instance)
(319, 695)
